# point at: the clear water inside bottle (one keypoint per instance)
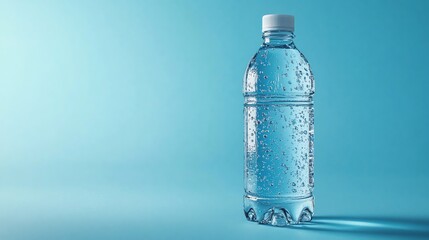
(279, 134)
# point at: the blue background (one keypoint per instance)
(123, 119)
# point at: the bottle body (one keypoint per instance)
(279, 131)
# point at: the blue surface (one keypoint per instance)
(123, 120)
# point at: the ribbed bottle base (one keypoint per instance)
(278, 211)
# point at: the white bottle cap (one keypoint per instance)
(274, 22)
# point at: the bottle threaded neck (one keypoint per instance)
(278, 37)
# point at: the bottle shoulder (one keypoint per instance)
(278, 70)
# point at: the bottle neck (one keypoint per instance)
(278, 37)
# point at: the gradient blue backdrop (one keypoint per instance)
(123, 119)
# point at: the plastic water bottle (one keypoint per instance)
(279, 128)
